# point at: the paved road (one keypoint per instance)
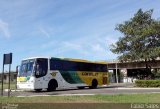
(110, 90)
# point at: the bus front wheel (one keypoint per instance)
(52, 85)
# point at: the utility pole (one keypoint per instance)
(7, 59)
(116, 73)
(2, 79)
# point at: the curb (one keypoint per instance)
(138, 88)
(6, 90)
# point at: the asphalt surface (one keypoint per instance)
(110, 90)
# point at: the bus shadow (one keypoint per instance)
(72, 89)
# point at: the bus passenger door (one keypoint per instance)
(40, 73)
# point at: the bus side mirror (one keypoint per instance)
(17, 70)
(34, 69)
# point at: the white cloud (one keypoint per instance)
(4, 29)
(77, 46)
(69, 46)
(98, 48)
(49, 44)
(42, 30)
(94, 48)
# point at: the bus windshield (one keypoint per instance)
(26, 68)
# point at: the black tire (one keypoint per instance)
(38, 90)
(81, 87)
(52, 85)
(94, 84)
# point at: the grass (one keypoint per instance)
(122, 98)
(5, 86)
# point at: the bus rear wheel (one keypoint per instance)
(94, 84)
(52, 85)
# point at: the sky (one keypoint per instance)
(82, 29)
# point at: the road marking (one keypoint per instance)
(56, 95)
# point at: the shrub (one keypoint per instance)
(147, 83)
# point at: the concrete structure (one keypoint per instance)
(6, 77)
(133, 65)
(130, 71)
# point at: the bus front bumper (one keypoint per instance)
(25, 86)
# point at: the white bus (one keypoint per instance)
(51, 73)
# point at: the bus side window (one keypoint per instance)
(56, 64)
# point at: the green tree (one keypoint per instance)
(141, 38)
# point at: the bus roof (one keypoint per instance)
(35, 57)
(80, 60)
(69, 59)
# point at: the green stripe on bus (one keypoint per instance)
(71, 77)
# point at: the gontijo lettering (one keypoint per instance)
(89, 74)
